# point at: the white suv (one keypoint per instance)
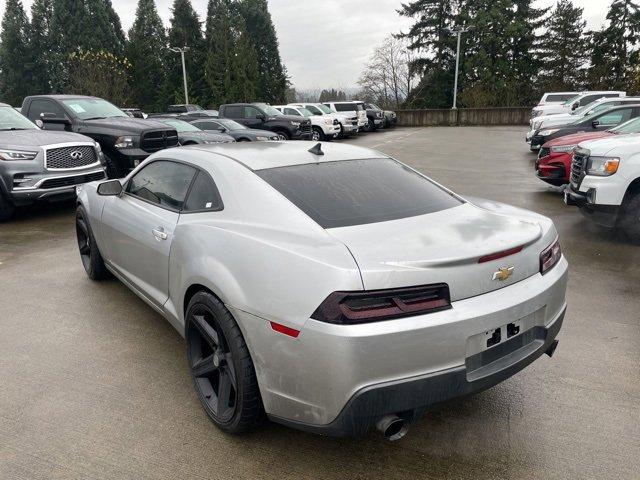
(605, 182)
(556, 98)
(351, 108)
(322, 128)
(348, 122)
(579, 100)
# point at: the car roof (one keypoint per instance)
(62, 96)
(263, 155)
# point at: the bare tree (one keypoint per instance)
(388, 77)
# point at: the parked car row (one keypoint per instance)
(596, 158)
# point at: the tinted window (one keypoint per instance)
(632, 126)
(45, 106)
(291, 111)
(615, 118)
(233, 112)
(204, 195)
(163, 183)
(251, 112)
(207, 125)
(345, 107)
(356, 192)
(559, 97)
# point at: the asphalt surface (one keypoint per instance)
(94, 384)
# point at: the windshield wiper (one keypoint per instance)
(12, 129)
(95, 118)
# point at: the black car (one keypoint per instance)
(375, 116)
(189, 134)
(266, 117)
(125, 141)
(234, 129)
(599, 121)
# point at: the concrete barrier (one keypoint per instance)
(465, 116)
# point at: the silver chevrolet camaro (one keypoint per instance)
(328, 287)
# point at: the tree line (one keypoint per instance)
(79, 46)
(512, 51)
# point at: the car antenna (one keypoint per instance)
(317, 149)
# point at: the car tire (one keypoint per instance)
(283, 135)
(629, 221)
(114, 170)
(220, 364)
(6, 209)
(89, 254)
(317, 135)
(243, 140)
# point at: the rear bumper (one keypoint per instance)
(409, 398)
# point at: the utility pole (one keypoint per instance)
(184, 70)
(459, 33)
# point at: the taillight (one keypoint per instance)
(375, 305)
(550, 256)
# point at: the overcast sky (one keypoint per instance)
(325, 43)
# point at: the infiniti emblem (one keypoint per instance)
(76, 154)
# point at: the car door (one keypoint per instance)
(251, 115)
(138, 226)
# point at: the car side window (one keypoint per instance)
(615, 118)
(39, 106)
(251, 112)
(291, 111)
(207, 125)
(204, 195)
(233, 112)
(163, 183)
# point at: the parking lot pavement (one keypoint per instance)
(95, 385)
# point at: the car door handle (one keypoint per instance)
(160, 234)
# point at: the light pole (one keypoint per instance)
(458, 32)
(184, 70)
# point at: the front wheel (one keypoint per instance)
(6, 209)
(317, 134)
(283, 135)
(629, 221)
(221, 367)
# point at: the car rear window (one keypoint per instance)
(357, 192)
(559, 97)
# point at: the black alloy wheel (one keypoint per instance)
(89, 254)
(221, 366)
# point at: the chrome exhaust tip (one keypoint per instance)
(392, 427)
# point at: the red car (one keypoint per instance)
(554, 160)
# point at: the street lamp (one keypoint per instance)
(459, 33)
(184, 70)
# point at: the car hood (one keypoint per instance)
(605, 146)
(291, 118)
(445, 247)
(38, 138)
(128, 124)
(576, 138)
(556, 119)
(206, 136)
(250, 132)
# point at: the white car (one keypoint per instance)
(579, 100)
(605, 183)
(329, 286)
(323, 128)
(546, 121)
(556, 98)
(353, 109)
(348, 122)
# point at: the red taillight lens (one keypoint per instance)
(550, 256)
(375, 305)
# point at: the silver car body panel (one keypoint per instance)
(270, 262)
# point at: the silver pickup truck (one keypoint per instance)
(38, 165)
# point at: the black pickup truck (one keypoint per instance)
(266, 117)
(124, 141)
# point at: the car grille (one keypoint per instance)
(544, 152)
(305, 128)
(155, 140)
(578, 166)
(66, 158)
(336, 122)
(68, 181)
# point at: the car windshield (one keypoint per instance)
(181, 126)
(12, 120)
(324, 108)
(632, 126)
(272, 112)
(231, 124)
(572, 100)
(356, 192)
(93, 108)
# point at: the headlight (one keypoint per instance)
(563, 148)
(551, 131)
(602, 166)
(536, 113)
(328, 122)
(17, 155)
(262, 139)
(295, 124)
(124, 142)
(97, 147)
(537, 125)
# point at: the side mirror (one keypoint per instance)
(110, 188)
(595, 123)
(222, 130)
(575, 105)
(52, 118)
(261, 117)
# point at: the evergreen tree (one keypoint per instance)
(147, 52)
(244, 63)
(219, 45)
(185, 30)
(431, 35)
(41, 46)
(70, 31)
(14, 49)
(104, 24)
(564, 48)
(272, 81)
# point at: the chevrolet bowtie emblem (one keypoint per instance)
(503, 274)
